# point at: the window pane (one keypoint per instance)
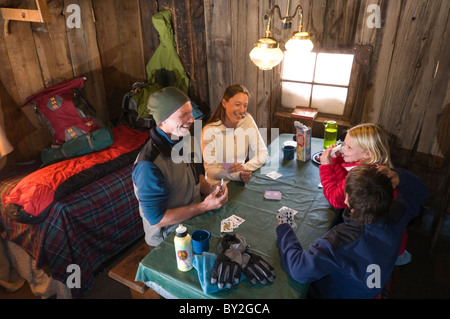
(298, 67)
(295, 94)
(329, 99)
(333, 68)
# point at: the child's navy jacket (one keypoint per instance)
(353, 260)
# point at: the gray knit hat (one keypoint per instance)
(165, 102)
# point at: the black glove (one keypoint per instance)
(256, 268)
(235, 241)
(228, 265)
(227, 268)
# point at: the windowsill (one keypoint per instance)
(319, 118)
(283, 117)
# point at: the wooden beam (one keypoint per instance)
(40, 15)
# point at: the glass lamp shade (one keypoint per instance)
(266, 54)
(300, 42)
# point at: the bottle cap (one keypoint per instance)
(181, 231)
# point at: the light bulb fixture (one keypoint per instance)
(267, 53)
(300, 42)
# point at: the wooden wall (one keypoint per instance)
(107, 49)
(111, 48)
(406, 89)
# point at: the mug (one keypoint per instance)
(200, 241)
(288, 152)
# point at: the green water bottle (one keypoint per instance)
(330, 134)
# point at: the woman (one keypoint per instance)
(231, 143)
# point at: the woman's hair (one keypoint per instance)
(371, 137)
(370, 194)
(232, 90)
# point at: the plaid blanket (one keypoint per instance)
(85, 228)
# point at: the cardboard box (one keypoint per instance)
(303, 141)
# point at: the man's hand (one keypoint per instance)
(217, 198)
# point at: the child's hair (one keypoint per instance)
(370, 194)
(371, 137)
(232, 90)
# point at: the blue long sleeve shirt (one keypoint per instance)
(354, 260)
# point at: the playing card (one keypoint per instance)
(237, 220)
(285, 209)
(226, 226)
(230, 223)
(274, 175)
(272, 195)
(286, 215)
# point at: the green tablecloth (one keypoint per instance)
(300, 190)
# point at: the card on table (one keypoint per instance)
(230, 223)
(226, 226)
(274, 175)
(276, 195)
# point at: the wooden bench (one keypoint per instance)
(125, 273)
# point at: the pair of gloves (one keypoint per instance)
(233, 259)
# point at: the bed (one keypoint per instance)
(82, 227)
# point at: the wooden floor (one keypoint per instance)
(426, 277)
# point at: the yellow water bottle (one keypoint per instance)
(183, 248)
(330, 134)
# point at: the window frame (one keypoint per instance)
(356, 87)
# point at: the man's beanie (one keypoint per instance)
(165, 102)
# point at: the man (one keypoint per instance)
(355, 258)
(169, 191)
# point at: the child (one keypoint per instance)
(364, 144)
(355, 258)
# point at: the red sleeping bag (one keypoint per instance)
(31, 199)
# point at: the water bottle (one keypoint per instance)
(183, 248)
(330, 134)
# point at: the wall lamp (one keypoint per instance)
(267, 53)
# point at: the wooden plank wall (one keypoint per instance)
(407, 82)
(412, 39)
(407, 86)
(111, 48)
(35, 56)
(409, 90)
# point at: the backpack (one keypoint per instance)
(130, 115)
(65, 111)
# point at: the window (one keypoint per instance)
(318, 80)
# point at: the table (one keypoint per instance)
(299, 185)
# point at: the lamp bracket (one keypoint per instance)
(363, 53)
(286, 20)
